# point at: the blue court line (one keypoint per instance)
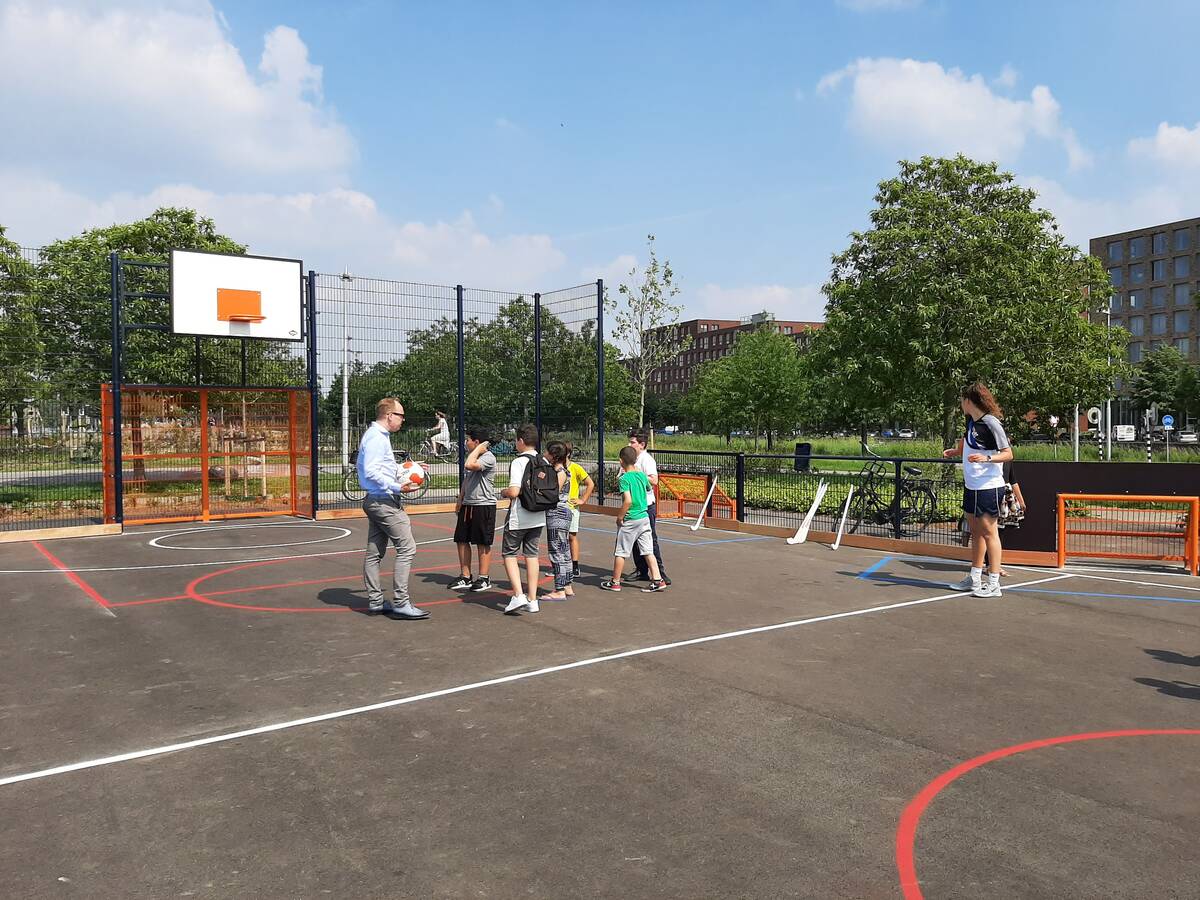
(866, 573)
(894, 579)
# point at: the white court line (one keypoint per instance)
(1129, 571)
(1157, 584)
(445, 692)
(157, 544)
(197, 565)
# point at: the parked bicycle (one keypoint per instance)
(874, 505)
(352, 491)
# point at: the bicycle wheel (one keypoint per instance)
(863, 508)
(917, 506)
(350, 487)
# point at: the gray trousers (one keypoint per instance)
(388, 524)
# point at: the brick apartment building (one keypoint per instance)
(712, 339)
(1155, 274)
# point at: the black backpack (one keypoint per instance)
(539, 485)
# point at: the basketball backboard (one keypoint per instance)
(220, 295)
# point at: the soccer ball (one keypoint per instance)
(411, 476)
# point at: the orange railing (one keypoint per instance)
(1129, 526)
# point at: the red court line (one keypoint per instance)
(906, 833)
(79, 582)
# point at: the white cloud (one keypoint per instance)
(1175, 145)
(712, 301)
(1007, 78)
(878, 5)
(160, 89)
(1084, 217)
(328, 229)
(919, 107)
(614, 273)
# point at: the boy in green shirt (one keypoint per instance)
(633, 530)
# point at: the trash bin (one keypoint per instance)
(803, 452)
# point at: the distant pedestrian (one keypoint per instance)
(638, 439)
(984, 448)
(558, 526)
(475, 513)
(633, 525)
(387, 520)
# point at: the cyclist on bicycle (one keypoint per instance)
(439, 434)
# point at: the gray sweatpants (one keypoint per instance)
(388, 523)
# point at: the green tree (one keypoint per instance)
(1187, 400)
(643, 322)
(961, 278)
(1159, 379)
(22, 363)
(758, 384)
(712, 401)
(75, 311)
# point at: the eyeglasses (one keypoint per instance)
(401, 415)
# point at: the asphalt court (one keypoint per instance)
(763, 728)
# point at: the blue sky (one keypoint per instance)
(532, 146)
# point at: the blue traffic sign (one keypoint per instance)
(1168, 421)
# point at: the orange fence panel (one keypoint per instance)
(1129, 526)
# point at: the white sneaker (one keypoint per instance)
(516, 603)
(987, 589)
(967, 584)
(533, 606)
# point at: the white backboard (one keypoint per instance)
(262, 292)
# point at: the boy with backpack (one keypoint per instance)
(532, 489)
(633, 530)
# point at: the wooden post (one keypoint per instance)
(1062, 531)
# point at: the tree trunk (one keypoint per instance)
(642, 407)
(949, 409)
(862, 435)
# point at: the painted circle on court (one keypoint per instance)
(160, 543)
(213, 597)
(906, 832)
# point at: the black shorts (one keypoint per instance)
(985, 502)
(476, 526)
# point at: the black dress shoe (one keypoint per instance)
(408, 612)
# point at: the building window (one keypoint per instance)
(1183, 239)
(1135, 352)
(1137, 300)
(1183, 322)
(787, 329)
(1155, 345)
(1137, 324)
(1114, 302)
(1183, 294)
(1158, 297)
(1158, 270)
(1116, 250)
(1182, 345)
(1158, 323)
(1183, 266)
(1160, 242)
(1137, 247)
(1115, 276)
(1137, 273)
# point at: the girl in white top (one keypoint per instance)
(984, 449)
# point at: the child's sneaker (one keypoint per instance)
(481, 584)
(654, 587)
(461, 583)
(609, 585)
(967, 584)
(520, 601)
(533, 606)
(987, 589)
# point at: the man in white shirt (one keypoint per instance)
(638, 439)
(378, 476)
